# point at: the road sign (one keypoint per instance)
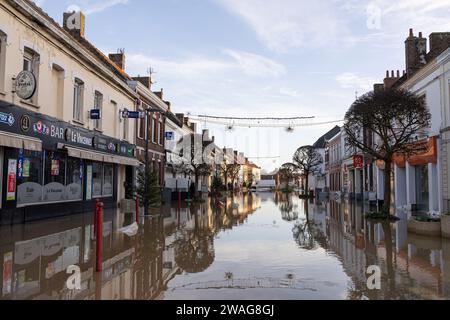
(170, 136)
(126, 114)
(96, 114)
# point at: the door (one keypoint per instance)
(422, 188)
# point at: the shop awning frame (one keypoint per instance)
(98, 156)
(20, 142)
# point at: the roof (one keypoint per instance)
(85, 43)
(321, 143)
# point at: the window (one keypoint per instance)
(97, 177)
(78, 96)
(161, 130)
(98, 103)
(126, 125)
(155, 129)
(31, 62)
(54, 177)
(29, 176)
(141, 128)
(74, 183)
(2, 60)
(108, 174)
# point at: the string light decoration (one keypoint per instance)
(289, 123)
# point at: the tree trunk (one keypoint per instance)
(387, 187)
(306, 191)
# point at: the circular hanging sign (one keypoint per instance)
(25, 85)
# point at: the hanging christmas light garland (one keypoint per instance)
(290, 123)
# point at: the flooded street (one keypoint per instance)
(260, 246)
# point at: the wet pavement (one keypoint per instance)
(257, 246)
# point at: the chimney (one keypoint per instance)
(206, 135)
(146, 81)
(439, 42)
(180, 117)
(160, 94)
(391, 79)
(415, 53)
(75, 23)
(378, 87)
(118, 58)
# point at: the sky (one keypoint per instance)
(259, 58)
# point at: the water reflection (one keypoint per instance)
(257, 246)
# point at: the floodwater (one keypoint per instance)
(257, 246)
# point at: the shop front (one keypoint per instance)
(52, 168)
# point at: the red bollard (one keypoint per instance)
(97, 201)
(99, 261)
(137, 210)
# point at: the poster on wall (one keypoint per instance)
(89, 183)
(55, 168)
(12, 172)
(7, 273)
(26, 168)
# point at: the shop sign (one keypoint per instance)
(25, 85)
(358, 162)
(41, 128)
(112, 147)
(101, 144)
(25, 123)
(77, 137)
(12, 172)
(7, 118)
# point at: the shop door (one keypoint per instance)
(129, 183)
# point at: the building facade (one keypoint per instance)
(62, 142)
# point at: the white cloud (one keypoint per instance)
(255, 65)
(199, 67)
(287, 24)
(349, 80)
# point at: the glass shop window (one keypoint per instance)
(29, 177)
(97, 177)
(54, 177)
(74, 183)
(108, 178)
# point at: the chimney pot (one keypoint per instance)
(398, 73)
(411, 33)
(420, 35)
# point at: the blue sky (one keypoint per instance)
(259, 57)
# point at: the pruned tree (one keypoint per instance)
(230, 172)
(150, 196)
(308, 161)
(288, 172)
(385, 123)
(196, 156)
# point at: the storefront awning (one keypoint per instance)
(100, 157)
(20, 142)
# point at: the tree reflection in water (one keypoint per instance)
(195, 248)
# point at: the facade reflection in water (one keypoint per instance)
(180, 240)
(183, 242)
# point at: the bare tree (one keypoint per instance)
(288, 172)
(395, 117)
(196, 155)
(230, 172)
(308, 160)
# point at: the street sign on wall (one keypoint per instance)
(96, 114)
(126, 114)
(170, 136)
